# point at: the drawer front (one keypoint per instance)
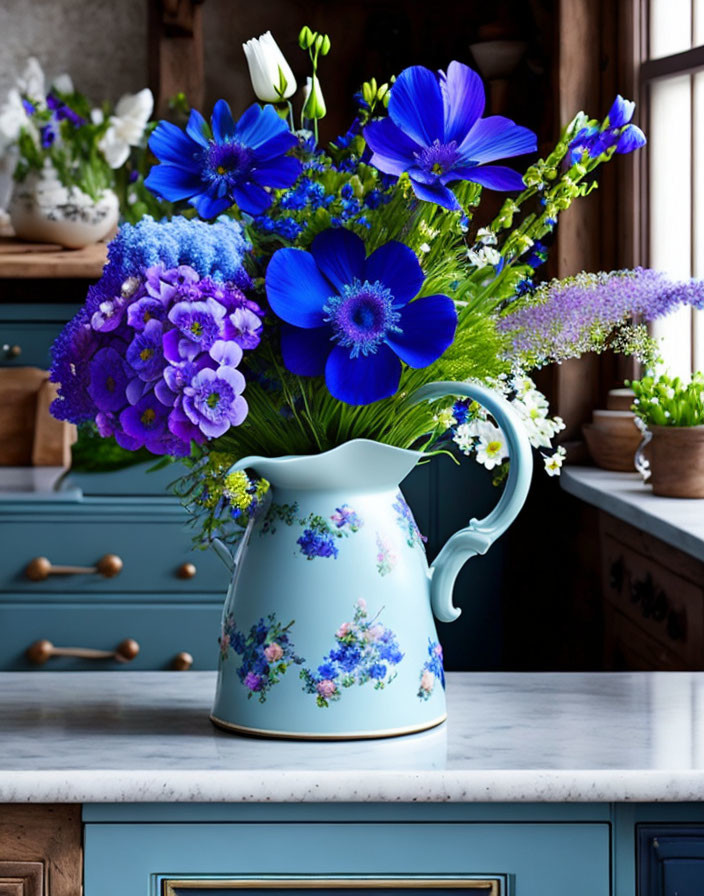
(666, 606)
(628, 647)
(162, 631)
(33, 340)
(670, 860)
(528, 859)
(156, 556)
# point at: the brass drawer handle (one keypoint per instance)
(182, 662)
(186, 571)
(12, 351)
(40, 568)
(42, 651)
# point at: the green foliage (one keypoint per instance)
(668, 401)
(91, 453)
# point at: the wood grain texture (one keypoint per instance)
(50, 835)
(176, 52)
(52, 438)
(22, 260)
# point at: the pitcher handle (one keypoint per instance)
(479, 535)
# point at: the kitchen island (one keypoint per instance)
(538, 785)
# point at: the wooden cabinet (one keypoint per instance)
(40, 850)
(653, 601)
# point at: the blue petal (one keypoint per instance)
(210, 206)
(279, 172)
(172, 182)
(436, 193)
(632, 138)
(364, 379)
(305, 351)
(621, 112)
(256, 126)
(463, 96)
(494, 138)
(274, 147)
(170, 144)
(427, 329)
(340, 255)
(415, 105)
(222, 122)
(397, 267)
(251, 198)
(198, 128)
(393, 151)
(494, 177)
(296, 289)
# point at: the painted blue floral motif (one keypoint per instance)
(319, 534)
(386, 559)
(364, 651)
(266, 650)
(432, 671)
(404, 518)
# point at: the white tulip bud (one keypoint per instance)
(271, 76)
(313, 100)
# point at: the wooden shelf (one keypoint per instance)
(23, 260)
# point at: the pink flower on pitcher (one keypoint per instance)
(273, 652)
(427, 681)
(343, 630)
(361, 604)
(375, 632)
(326, 688)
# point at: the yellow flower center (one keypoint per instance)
(148, 416)
(146, 354)
(493, 448)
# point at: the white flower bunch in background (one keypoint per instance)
(126, 126)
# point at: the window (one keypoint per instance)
(672, 78)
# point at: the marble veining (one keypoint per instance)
(145, 737)
(676, 521)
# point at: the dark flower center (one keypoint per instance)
(361, 316)
(148, 416)
(439, 158)
(228, 161)
(110, 384)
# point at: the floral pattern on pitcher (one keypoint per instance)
(407, 523)
(266, 650)
(365, 651)
(432, 671)
(319, 533)
(386, 559)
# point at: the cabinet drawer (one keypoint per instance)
(153, 554)
(528, 859)
(668, 607)
(670, 860)
(162, 631)
(629, 647)
(33, 339)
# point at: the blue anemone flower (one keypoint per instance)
(232, 163)
(351, 317)
(436, 134)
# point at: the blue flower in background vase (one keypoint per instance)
(617, 131)
(231, 163)
(351, 318)
(436, 135)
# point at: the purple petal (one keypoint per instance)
(494, 138)
(621, 112)
(227, 354)
(364, 379)
(463, 98)
(339, 254)
(305, 351)
(415, 105)
(393, 151)
(397, 267)
(136, 388)
(632, 138)
(164, 394)
(296, 289)
(427, 329)
(494, 177)
(198, 129)
(436, 193)
(222, 122)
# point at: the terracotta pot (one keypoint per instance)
(677, 461)
(611, 448)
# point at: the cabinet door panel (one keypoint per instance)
(670, 860)
(541, 859)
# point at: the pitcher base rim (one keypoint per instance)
(355, 735)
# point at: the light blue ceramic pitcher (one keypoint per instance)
(328, 627)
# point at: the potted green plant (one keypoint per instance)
(673, 412)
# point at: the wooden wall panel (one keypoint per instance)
(50, 835)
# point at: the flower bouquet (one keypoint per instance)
(73, 164)
(328, 317)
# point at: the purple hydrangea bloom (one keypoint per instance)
(200, 322)
(232, 163)
(213, 401)
(245, 328)
(143, 310)
(108, 380)
(351, 317)
(145, 354)
(435, 134)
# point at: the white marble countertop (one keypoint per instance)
(511, 737)
(676, 521)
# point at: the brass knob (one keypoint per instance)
(43, 650)
(14, 351)
(186, 571)
(41, 568)
(182, 662)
